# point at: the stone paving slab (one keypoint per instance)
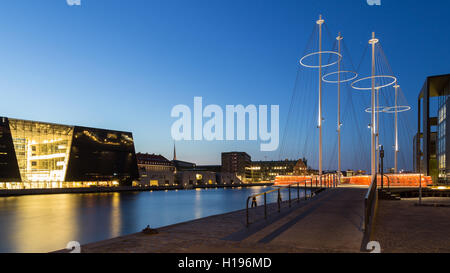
(402, 227)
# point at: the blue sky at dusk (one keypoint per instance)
(124, 64)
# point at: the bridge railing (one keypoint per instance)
(316, 184)
(370, 203)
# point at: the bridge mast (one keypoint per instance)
(320, 23)
(377, 126)
(339, 38)
(396, 129)
(373, 42)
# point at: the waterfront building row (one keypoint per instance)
(250, 171)
(156, 170)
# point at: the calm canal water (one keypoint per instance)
(43, 223)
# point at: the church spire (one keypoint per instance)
(174, 152)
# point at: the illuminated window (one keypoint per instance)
(41, 151)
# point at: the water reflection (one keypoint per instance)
(44, 223)
(115, 215)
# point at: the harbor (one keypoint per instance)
(44, 223)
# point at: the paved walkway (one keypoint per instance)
(330, 222)
(402, 227)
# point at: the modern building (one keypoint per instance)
(268, 170)
(432, 143)
(45, 155)
(237, 163)
(155, 170)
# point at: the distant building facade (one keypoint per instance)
(155, 170)
(237, 163)
(183, 165)
(432, 143)
(268, 170)
(350, 173)
(211, 168)
(37, 155)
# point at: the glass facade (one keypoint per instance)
(44, 155)
(9, 170)
(441, 147)
(102, 155)
(42, 152)
(431, 143)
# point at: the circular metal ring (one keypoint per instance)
(324, 78)
(320, 53)
(392, 110)
(394, 80)
(379, 109)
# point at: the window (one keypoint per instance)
(41, 149)
(442, 161)
(442, 113)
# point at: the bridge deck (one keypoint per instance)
(331, 222)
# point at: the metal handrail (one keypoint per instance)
(279, 200)
(370, 201)
(388, 180)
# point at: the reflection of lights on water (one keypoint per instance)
(30, 225)
(116, 218)
(198, 207)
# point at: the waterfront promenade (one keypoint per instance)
(331, 221)
(20, 192)
(403, 227)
